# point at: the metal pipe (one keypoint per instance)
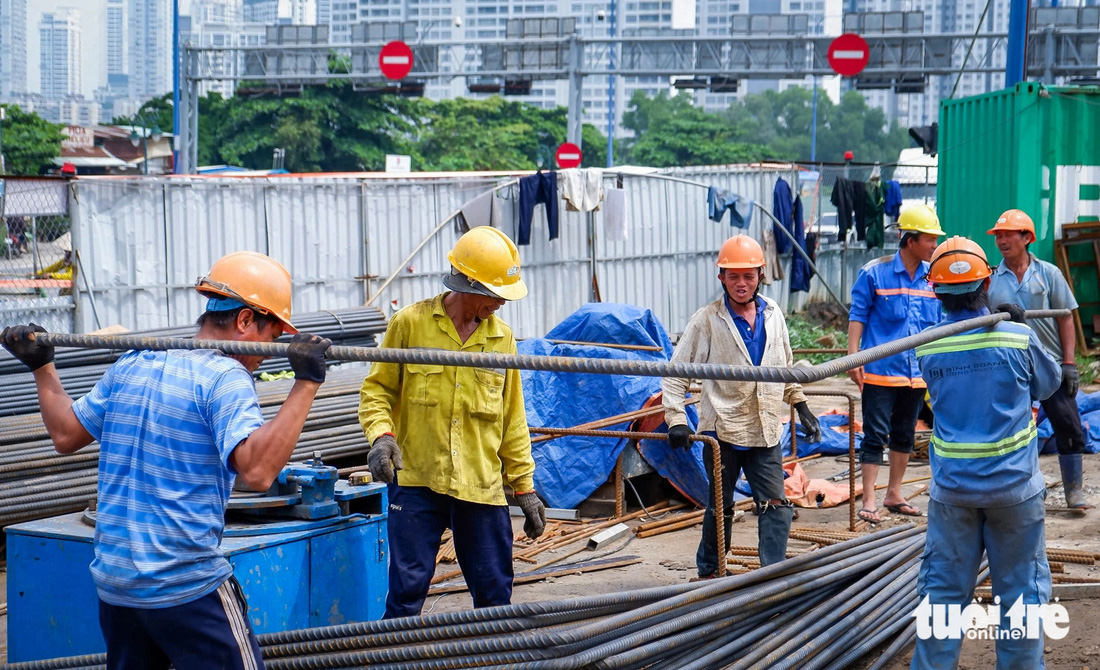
(800, 375)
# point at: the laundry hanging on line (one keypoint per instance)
(541, 187)
(788, 212)
(615, 217)
(892, 198)
(482, 210)
(720, 200)
(848, 197)
(582, 189)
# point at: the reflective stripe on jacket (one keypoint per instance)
(982, 384)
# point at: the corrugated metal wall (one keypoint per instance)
(143, 242)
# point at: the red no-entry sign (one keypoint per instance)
(848, 54)
(568, 156)
(395, 60)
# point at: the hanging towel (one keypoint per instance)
(483, 210)
(873, 207)
(892, 206)
(539, 187)
(615, 218)
(740, 208)
(582, 190)
(773, 269)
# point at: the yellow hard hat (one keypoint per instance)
(958, 265)
(486, 256)
(740, 251)
(255, 280)
(920, 219)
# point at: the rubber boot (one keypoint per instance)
(1071, 465)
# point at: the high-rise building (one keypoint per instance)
(220, 23)
(150, 42)
(117, 42)
(13, 48)
(59, 64)
(281, 12)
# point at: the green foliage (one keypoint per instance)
(155, 113)
(805, 335)
(770, 125)
(29, 141)
(1088, 367)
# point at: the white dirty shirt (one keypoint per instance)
(748, 414)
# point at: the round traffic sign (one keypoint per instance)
(848, 54)
(395, 60)
(568, 155)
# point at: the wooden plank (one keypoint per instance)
(539, 575)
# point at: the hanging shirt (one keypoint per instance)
(892, 199)
(984, 450)
(740, 208)
(582, 190)
(873, 205)
(1043, 287)
(891, 305)
(462, 431)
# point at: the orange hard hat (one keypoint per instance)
(958, 266)
(740, 251)
(1014, 219)
(255, 280)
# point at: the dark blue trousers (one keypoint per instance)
(539, 187)
(212, 632)
(483, 544)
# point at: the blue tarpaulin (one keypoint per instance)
(832, 443)
(568, 469)
(1088, 404)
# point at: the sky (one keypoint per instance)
(93, 40)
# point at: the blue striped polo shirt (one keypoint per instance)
(166, 423)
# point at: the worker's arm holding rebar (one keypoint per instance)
(518, 466)
(66, 431)
(693, 347)
(863, 293)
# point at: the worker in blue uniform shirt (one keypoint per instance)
(891, 299)
(176, 431)
(987, 491)
(1024, 280)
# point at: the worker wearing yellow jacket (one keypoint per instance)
(457, 435)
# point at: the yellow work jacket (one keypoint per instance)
(462, 431)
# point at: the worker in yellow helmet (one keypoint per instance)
(448, 440)
(177, 429)
(891, 299)
(740, 328)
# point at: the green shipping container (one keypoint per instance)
(1032, 147)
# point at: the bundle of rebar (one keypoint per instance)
(80, 369)
(37, 482)
(824, 608)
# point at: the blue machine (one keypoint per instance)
(311, 552)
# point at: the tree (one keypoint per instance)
(29, 141)
(670, 131)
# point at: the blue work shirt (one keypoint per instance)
(982, 383)
(891, 305)
(1043, 287)
(167, 423)
(754, 339)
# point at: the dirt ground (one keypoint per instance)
(670, 558)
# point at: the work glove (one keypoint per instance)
(307, 357)
(1014, 312)
(535, 512)
(809, 422)
(384, 459)
(679, 437)
(1071, 378)
(17, 340)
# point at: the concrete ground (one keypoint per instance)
(669, 558)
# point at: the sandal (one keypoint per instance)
(905, 509)
(870, 516)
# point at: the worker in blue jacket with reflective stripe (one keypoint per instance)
(987, 490)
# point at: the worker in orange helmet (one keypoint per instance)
(1024, 280)
(740, 328)
(987, 492)
(177, 429)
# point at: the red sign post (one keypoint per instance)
(848, 54)
(395, 60)
(568, 155)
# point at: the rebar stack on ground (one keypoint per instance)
(840, 598)
(80, 369)
(37, 482)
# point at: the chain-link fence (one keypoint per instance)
(36, 255)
